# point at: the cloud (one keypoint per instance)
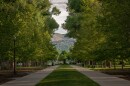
(60, 19)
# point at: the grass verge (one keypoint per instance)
(66, 76)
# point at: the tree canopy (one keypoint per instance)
(32, 25)
(101, 28)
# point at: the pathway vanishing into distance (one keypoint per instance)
(101, 78)
(32, 79)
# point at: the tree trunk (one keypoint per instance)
(122, 64)
(102, 64)
(83, 64)
(114, 64)
(110, 64)
(64, 61)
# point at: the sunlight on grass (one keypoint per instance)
(66, 76)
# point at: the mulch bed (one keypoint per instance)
(125, 73)
(7, 75)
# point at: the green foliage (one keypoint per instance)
(75, 5)
(63, 55)
(73, 24)
(51, 24)
(26, 20)
(55, 11)
(103, 29)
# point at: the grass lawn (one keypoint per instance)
(66, 76)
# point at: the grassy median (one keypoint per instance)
(66, 76)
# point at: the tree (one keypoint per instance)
(27, 22)
(101, 31)
(63, 57)
(55, 11)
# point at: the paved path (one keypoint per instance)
(101, 78)
(32, 79)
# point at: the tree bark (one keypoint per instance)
(114, 64)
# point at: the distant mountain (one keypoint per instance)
(62, 43)
(57, 37)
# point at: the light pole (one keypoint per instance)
(14, 65)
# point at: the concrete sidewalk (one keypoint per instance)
(32, 79)
(101, 78)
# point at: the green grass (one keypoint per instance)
(118, 67)
(66, 76)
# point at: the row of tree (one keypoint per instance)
(29, 24)
(102, 30)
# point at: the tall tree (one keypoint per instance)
(26, 20)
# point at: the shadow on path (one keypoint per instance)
(32, 79)
(101, 78)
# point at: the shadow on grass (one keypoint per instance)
(66, 76)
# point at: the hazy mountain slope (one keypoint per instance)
(57, 37)
(62, 43)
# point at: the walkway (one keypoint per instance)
(101, 78)
(32, 79)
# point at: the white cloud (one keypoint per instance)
(60, 19)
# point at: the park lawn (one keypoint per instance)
(66, 76)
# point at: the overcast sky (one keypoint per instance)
(60, 19)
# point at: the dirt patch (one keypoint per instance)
(125, 73)
(7, 75)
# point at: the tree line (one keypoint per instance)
(29, 24)
(102, 31)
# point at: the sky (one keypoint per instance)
(60, 19)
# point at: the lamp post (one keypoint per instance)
(14, 63)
